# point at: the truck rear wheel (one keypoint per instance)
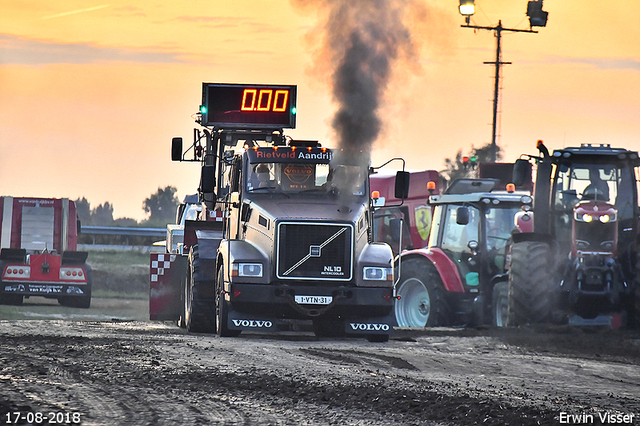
(531, 283)
(222, 309)
(11, 299)
(82, 302)
(422, 300)
(199, 308)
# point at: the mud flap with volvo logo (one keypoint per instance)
(378, 325)
(248, 322)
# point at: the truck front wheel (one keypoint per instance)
(222, 309)
(422, 300)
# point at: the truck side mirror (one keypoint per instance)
(402, 185)
(208, 179)
(520, 170)
(176, 149)
(462, 215)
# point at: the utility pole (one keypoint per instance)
(498, 29)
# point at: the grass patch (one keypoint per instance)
(119, 273)
(109, 294)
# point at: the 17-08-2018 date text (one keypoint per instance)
(35, 418)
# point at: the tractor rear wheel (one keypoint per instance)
(635, 307)
(423, 301)
(531, 283)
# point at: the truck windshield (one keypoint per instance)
(305, 177)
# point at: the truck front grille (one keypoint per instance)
(314, 251)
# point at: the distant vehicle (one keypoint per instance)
(39, 254)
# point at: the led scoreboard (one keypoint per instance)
(248, 106)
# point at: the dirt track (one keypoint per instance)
(133, 373)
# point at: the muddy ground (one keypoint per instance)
(122, 372)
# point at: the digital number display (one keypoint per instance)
(248, 106)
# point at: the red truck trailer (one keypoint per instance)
(39, 257)
(414, 211)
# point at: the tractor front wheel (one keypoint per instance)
(500, 304)
(532, 290)
(423, 301)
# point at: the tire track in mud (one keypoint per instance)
(107, 389)
(149, 373)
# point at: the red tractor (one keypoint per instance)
(580, 263)
(459, 278)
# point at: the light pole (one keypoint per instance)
(537, 18)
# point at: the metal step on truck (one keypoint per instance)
(39, 254)
(284, 233)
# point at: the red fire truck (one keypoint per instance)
(39, 254)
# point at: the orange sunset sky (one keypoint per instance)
(93, 91)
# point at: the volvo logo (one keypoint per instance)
(252, 323)
(358, 326)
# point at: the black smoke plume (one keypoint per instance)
(363, 41)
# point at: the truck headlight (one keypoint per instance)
(246, 270)
(377, 273)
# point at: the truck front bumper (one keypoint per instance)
(297, 301)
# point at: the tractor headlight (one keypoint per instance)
(605, 218)
(247, 270)
(584, 217)
(376, 273)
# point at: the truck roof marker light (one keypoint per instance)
(309, 148)
(324, 149)
(511, 188)
(375, 195)
(275, 148)
(293, 148)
